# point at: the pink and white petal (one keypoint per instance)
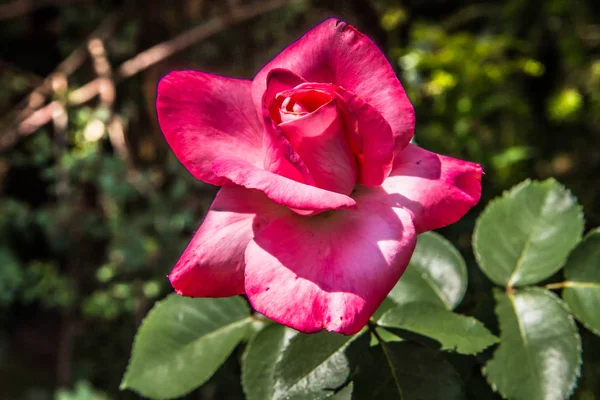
(284, 191)
(438, 190)
(335, 52)
(212, 265)
(204, 116)
(330, 271)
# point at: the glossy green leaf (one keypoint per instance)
(454, 332)
(312, 367)
(540, 350)
(384, 335)
(582, 291)
(404, 371)
(344, 394)
(436, 274)
(260, 358)
(526, 235)
(182, 342)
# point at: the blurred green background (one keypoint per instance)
(95, 210)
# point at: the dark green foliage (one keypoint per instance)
(403, 371)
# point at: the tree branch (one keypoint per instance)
(104, 85)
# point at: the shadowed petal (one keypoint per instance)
(438, 190)
(329, 271)
(213, 263)
(204, 116)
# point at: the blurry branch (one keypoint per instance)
(19, 8)
(106, 89)
(35, 114)
(184, 40)
(83, 94)
(40, 117)
(33, 102)
(73, 61)
(103, 70)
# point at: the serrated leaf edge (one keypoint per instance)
(562, 304)
(593, 285)
(447, 349)
(513, 191)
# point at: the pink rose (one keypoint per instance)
(322, 195)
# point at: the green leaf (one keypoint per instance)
(384, 335)
(436, 274)
(344, 394)
(182, 342)
(455, 332)
(402, 370)
(260, 358)
(312, 366)
(540, 350)
(582, 291)
(526, 235)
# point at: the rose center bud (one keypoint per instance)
(311, 122)
(290, 109)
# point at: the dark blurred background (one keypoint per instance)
(95, 210)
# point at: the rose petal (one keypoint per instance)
(204, 116)
(279, 155)
(213, 263)
(280, 189)
(438, 190)
(329, 271)
(279, 80)
(319, 139)
(335, 52)
(369, 134)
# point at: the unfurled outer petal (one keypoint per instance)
(438, 190)
(330, 271)
(204, 116)
(281, 190)
(335, 52)
(213, 263)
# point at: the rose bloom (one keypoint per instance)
(322, 196)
